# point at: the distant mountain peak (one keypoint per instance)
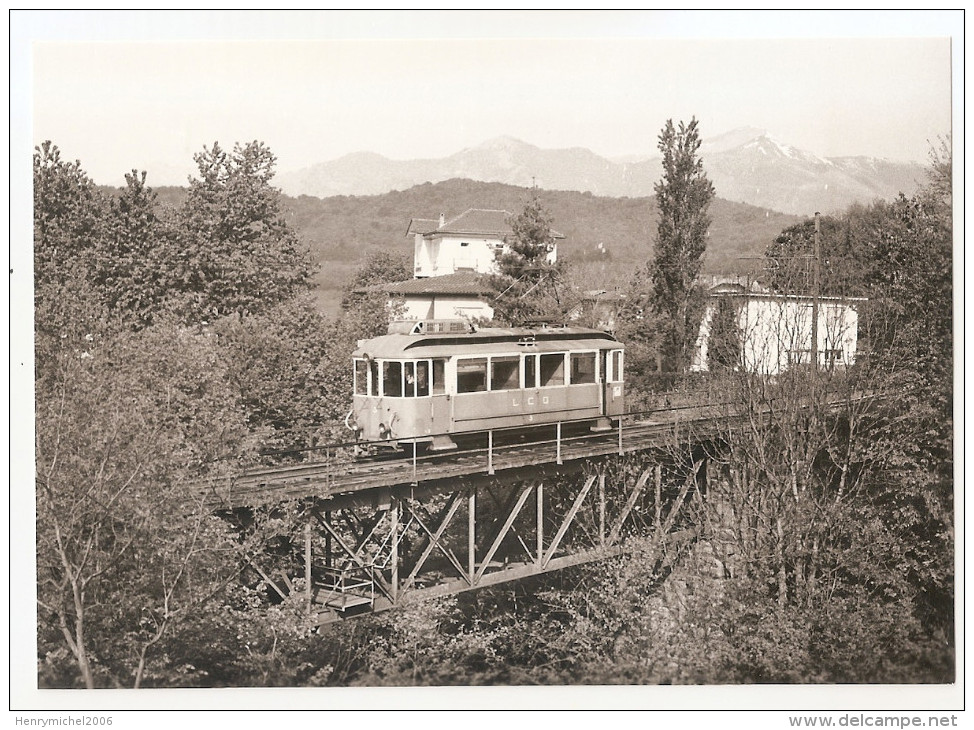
(734, 138)
(362, 155)
(767, 144)
(505, 143)
(746, 164)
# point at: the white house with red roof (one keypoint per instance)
(468, 242)
(451, 261)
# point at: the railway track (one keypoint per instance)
(337, 473)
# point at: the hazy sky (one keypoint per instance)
(147, 90)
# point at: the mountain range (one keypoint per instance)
(746, 165)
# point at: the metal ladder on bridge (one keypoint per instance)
(350, 586)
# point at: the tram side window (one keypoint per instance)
(553, 369)
(439, 376)
(392, 379)
(530, 368)
(616, 360)
(472, 375)
(361, 377)
(583, 368)
(505, 373)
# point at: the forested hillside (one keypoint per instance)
(341, 231)
(176, 341)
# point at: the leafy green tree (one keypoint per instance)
(132, 263)
(911, 336)
(683, 196)
(839, 525)
(69, 215)
(126, 424)
(379, 267)
(530, 242)
(844, 265)
(238, 252)
(527, 283)
(371, 311)
(69, 220)
(641, 328)
(292, 369)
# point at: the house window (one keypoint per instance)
(464, 244)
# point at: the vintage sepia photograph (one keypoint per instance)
(362, 353)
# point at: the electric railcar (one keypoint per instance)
(429, 381)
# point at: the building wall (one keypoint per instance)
(443, 307)
(776, 333)
(422, 257)
(448, 254)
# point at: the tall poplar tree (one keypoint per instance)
(683, 196)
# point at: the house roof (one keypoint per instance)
(474, 221)
(462, 282)
(421, 225)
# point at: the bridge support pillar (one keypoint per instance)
(540, 522)
(394, 547)
(472, 534)
(307, 561)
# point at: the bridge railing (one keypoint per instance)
(336, 464)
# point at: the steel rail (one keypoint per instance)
(324, 479)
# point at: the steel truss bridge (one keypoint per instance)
(380, 532)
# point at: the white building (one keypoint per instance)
(776, 331)
(597, 308)
(468, 242)
(462, 295)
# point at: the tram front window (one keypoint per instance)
(422, 378)
(361, 377)
(392, 379)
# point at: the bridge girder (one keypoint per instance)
(370, 552)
